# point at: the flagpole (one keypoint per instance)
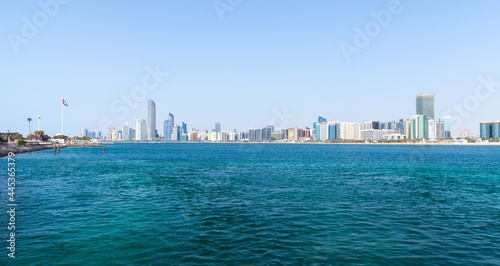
(62, 118)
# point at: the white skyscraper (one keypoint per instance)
(151, 131)
(431, 129)
(140, 130)
(125, 132)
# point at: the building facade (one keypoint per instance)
(425, 104)
(140, 130)
(151, 130)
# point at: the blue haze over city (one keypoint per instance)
(242, 64)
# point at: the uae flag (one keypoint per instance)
(65, 103)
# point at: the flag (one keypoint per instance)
(65, 103)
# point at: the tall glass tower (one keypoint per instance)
(151, 120)
(425, 105)
(168, 127)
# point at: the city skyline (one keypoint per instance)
(422, 125)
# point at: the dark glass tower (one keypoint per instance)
(425, 105)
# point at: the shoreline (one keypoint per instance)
(6, 149)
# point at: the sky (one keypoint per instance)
(245, 64)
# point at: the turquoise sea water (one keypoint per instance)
(154, 204)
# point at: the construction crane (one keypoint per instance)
(468, 130)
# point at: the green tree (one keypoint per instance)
(21, 142)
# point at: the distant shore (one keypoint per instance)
(6, 149)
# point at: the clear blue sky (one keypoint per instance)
(262, 57)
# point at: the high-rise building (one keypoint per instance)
(323, 131)
(333, 130)
(125, 132)
(350, 130)
(217, 127)
(425, 105)
(83, 132)
(321, 120)
(267, 133)
(317, 131)
(131, 133)
(400, 127)
(440, 133)
(183, 136)
(151, 130)
(485, 130)
(447, 126)
(194, 136)
(111, 129)
(140, 130)
(419, 127)
(490, 130)
(176, 133)
(431, 129)
(258, 134)
(495, 130)
(168, 127)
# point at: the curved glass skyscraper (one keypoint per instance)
(168, 126)
(151, 120)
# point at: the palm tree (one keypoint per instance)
(29, 125)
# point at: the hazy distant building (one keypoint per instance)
(333, 130)
(440, 132)
(400, 127)
(321, 120)
(131, 133)
(350, 130)
(431, 129)
(183, 136)
(111, 129)
(125, 132)
(140, 129)
(278, 135)
(366, 125)
(425, 105)
(376, 134)
(447, 126)
(217, 128)
(323, 131)
(193, 136)
(83, 132)
(151, 131)
(258, 134)
(408, 128)
(176, 130)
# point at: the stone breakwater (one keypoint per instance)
(5, 149)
